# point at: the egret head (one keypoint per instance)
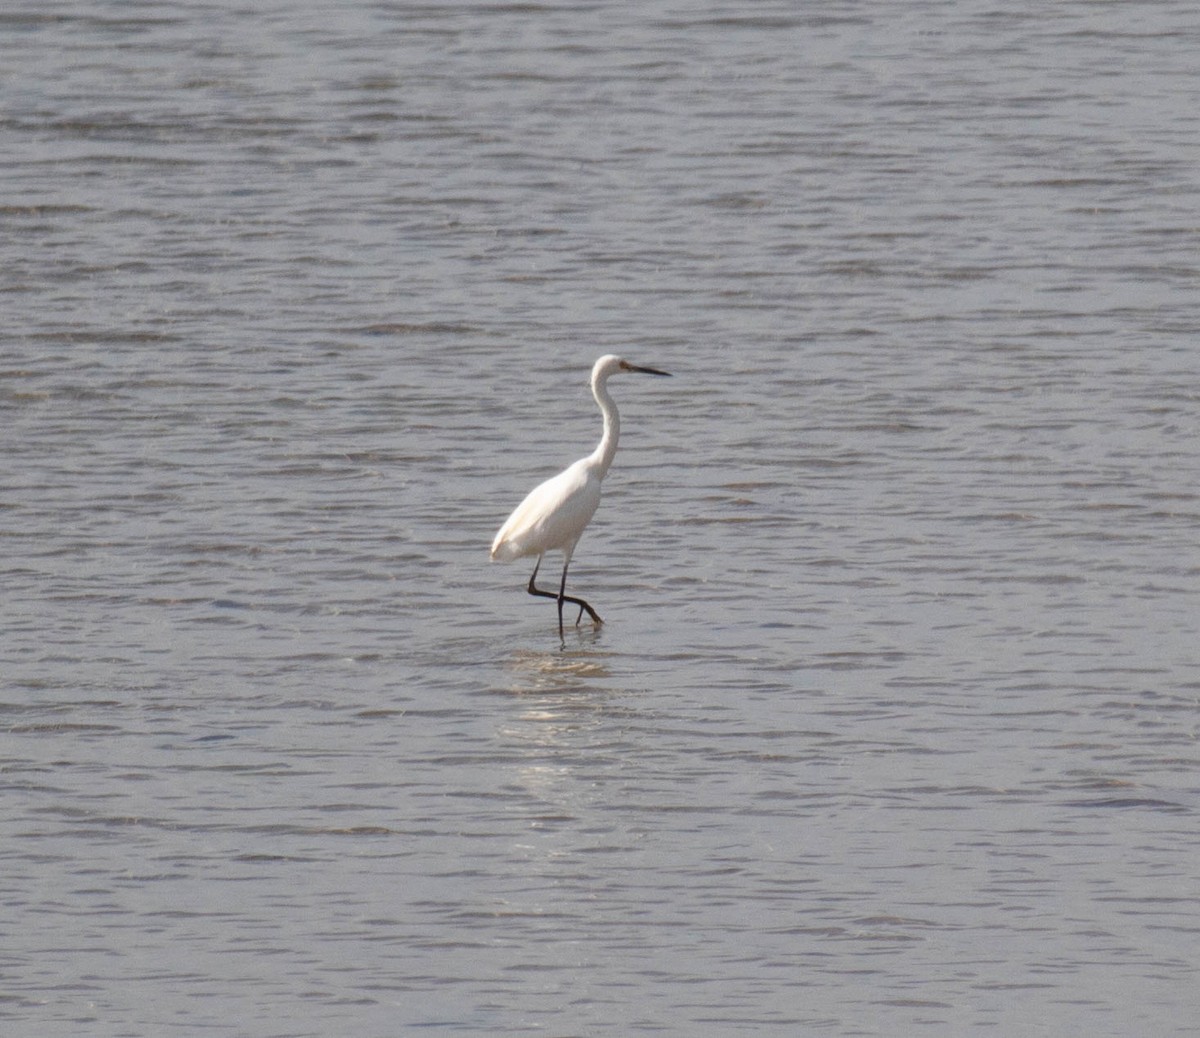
(610, 364)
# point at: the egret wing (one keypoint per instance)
(552, 516)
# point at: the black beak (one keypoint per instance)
(646, 371)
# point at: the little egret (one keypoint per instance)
(553, 516)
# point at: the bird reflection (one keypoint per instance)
(539, 673)
(567, 726)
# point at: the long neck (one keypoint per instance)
(606, 449)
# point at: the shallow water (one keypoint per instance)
(892, 726)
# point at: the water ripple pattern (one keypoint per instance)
(892, 725)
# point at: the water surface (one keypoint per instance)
(892, 725)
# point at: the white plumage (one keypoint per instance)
(554, 514)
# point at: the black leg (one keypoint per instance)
(562, 591)
(562, 597)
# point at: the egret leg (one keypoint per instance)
(562, 597)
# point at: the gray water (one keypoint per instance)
(892, 726)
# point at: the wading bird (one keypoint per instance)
(553, 516)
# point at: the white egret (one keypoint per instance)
(553, 516)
